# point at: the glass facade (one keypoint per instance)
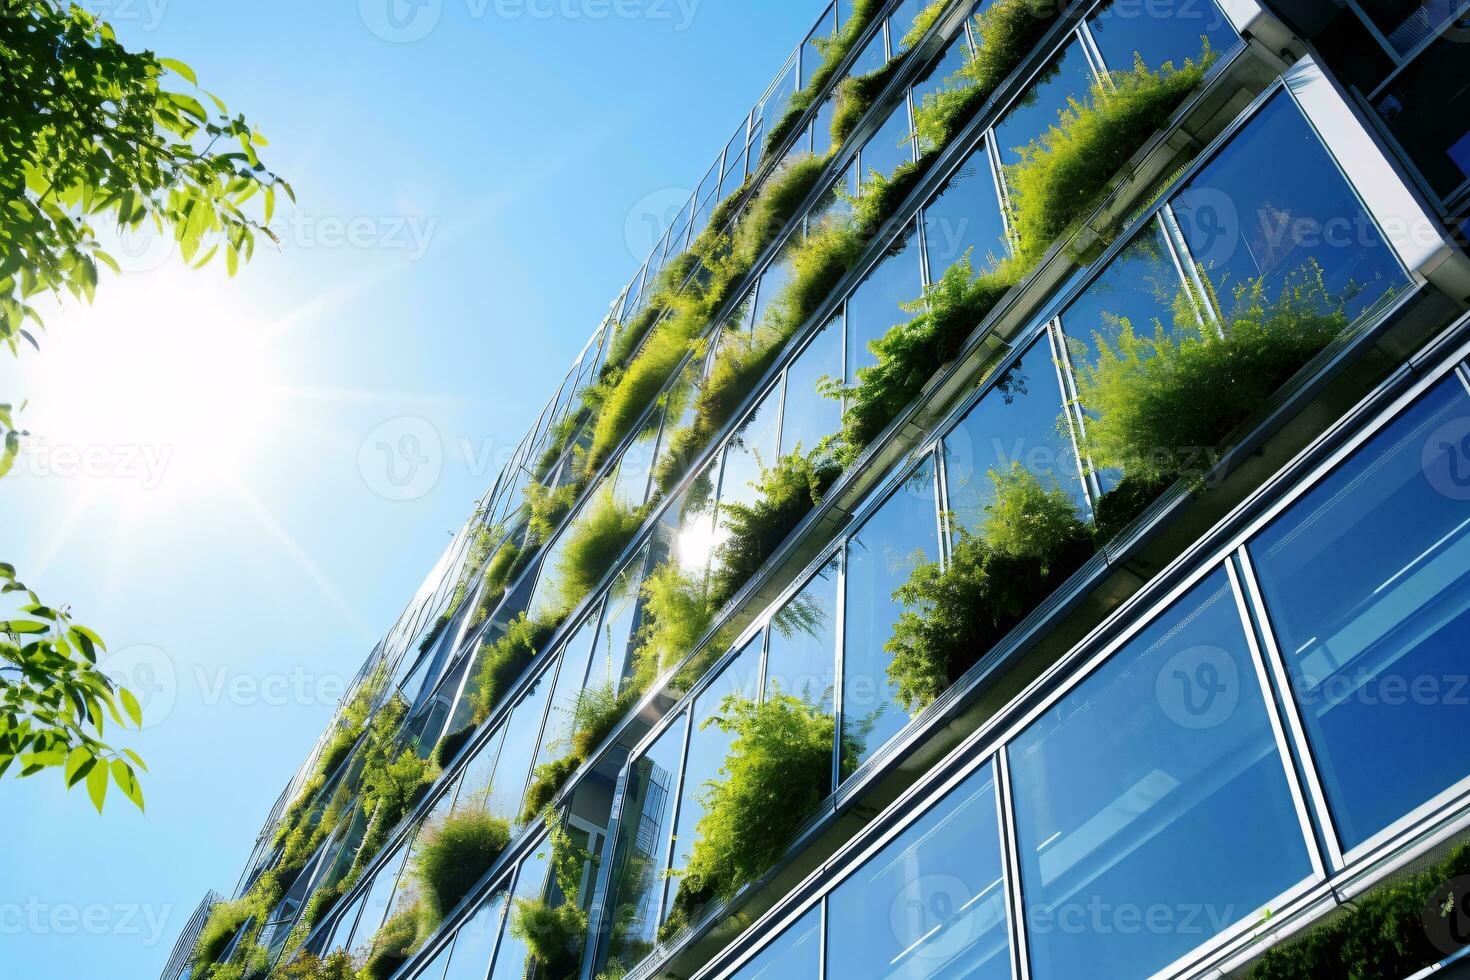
(1211, 751)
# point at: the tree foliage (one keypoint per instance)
(453, 853)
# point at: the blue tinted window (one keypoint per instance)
(939, 71)
(873, 56)
(774, 279)
(522, 735)
(1158, 32)
(750, 448)
(931, 903)
(876, 305)
(631, 484)
(802, 655)
(965, 215)
(1367, 581)
(1065, 77)
(474, 786)
(644, 834)
(510, 958)
(808, 416)
(1139, 286)
(1427, 106)
(474, 943)
(342, 932)
(612, 659)
(1014, 422)
(1272, 206)
(794, 955)
(890, 146)
(375, 907)
(1152, 808)
(571, 677)
(900, 534)
(709, 744)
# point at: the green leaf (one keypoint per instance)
(122, 774)
(136, 760)
(97, 786)
(29, 626)
(179, 68)
(78, 764)
(131, 706)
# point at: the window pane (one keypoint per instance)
(965, 215)
(874, 307)
(808, 416)
(644, 833)
(631, 484)
(474, 786)
(1065, 77)
(932, 902)
(1152, 809)
(1139, 285)
(774, 279)
(802, 658)
(375, 908)
(1406, 24)
(1272, 205)
(1367, 579)
(794, 955)
(708, 746)
(522, 733)
(612, 659)
(873, 57)
(690, 520)
(1015, 422)
(890, 146)
(343, 930)
(474, 944)
(510, 958)
(570, 679)
(900, 534)
(1158, 32)
(1427, 108)
(752, 446)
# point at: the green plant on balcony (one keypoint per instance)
(923, 21)
(592, 545)
(787, 491)
(554, 929)
(595, 713)
(336, 966)
(1160, 404)
(777, 772)
(452, 854)
(1032, 538)
(503, 660)
(1381, 934)
(676, 614)
(395, 941)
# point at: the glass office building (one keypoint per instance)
(1245, 709)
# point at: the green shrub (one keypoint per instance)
(547, 507)
(923, 20)
(1032, 539)
(504, 660)
(676, 614)
(394, 943)
(1120, 506)
(775, 207)
(503, 567)
(449, 745)
(554, 934)
(1064, 174)
(595, 713)
(832, 50)
(337, 966)
(592, 545)
(786, 493)
(453, 853)
(1159, 405)
(855, 95)
(224, 922)
(777, 772)
(1008, 31)
(1382, 934)
(910, 353)
(547, 779)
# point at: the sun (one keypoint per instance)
(160, 387)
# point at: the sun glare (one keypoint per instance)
(158, 386)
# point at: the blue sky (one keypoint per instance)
(203, 488)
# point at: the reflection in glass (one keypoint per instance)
(890, 146)
(1273, 204)
(876, 305)
(932, 902)
(897, 537)
(1014, 422)
(750, 448)
(802, 659)
(1427, 108)
(709, 745)
(965, 217)
(643, 840)
(1065, 77)
(474, 943)
(612, 658)
(375, 906)
(793, 955)
(571, 678)
(1367, 581)
(522, 733)
(511, 956)
(1153, 793)
(1158, 33)
(630, 486)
